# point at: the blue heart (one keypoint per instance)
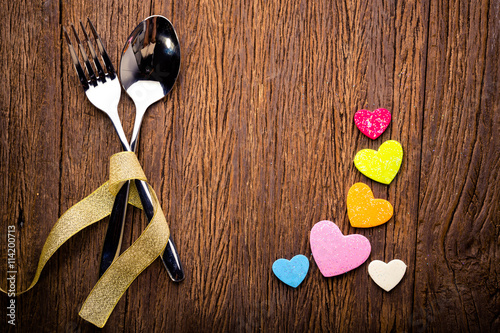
(292, 272)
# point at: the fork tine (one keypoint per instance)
(102, 50)
(76, 63)
(86, 61)
(100, 71)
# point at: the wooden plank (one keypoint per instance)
(408, 83)
(456, 285)
(30, 99)
(260, 152)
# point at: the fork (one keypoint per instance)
(103, 91)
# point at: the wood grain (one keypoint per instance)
(254, 146)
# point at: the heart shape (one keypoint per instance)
(292, 272)
(335, 253)
(387, 276)
(382, 165)
(372, 124)
(363, 210)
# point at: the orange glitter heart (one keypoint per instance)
(364, 210)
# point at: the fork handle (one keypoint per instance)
(114, 234)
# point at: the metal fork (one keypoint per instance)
(103, 91)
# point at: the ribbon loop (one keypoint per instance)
(122, 167)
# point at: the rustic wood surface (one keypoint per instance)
(254, 146)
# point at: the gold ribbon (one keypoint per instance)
(114, 282)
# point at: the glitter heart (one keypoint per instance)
(372, 124)
(363, 210)
(382, 165)
(387, 276)
(292, 272)
(335, 253)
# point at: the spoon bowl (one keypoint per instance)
(150, 64)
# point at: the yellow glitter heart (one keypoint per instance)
(382, 165)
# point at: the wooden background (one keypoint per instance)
(254, 145)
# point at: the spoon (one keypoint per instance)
(149, 67)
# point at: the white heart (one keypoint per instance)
(387, 276)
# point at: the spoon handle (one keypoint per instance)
(114, 234)
(170, 257)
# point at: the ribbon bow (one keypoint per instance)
(151, 243)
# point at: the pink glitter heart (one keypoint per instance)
(372, 124)
(335, 253)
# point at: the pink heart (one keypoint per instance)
(335, 253)
(372, 124)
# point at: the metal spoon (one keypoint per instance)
(149, 67)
